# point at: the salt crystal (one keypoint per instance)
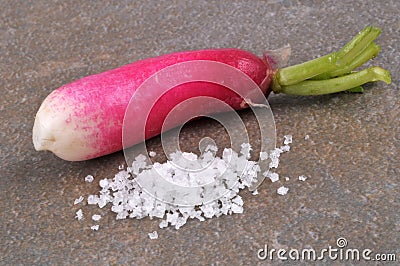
(255, 192)
(208, 210)
(227, 154)
(103, 183)
(307, 137)
(276, 153)
(200, 218)
(79, 215)
(245, 149)
(238, 200)
(163, 224)
(153, 235)
(189, 156)
(272, 176)
(180, 222)
(158, 211)
(263, 155)
(282, 190)
(102, 202)
(96, 217)
(288, 139)
(138, 164)
(117, 208)
(89, 178)
(208, 156)
(236, 208)
(78, 200)
(140, 158)
(302, 178)
(274, 163)
(172, 218)
(95, 227)
(152, 153)
(287, 178)
(285, 148)
(211, 148)
(121, 167)
(122, 215)
(92, 199)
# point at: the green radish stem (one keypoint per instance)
(297, 73)
(358, 89)
(318, 87)
(370, 52)
(333, 72)
(360, 42)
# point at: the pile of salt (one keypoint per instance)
(128, 199)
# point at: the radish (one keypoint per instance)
(83, 119)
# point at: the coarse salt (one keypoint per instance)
(236, 208)
(282, 190)
(89, 178)
(163, 224)
(238, 200)
(79, 215)
(103, 183)
(285, 148)
(129, 200)
(302, 178)
(78, 200)
(153, 235)
(245, 149)
(288, 139)
(95, 227)
(272, 176)
(152, 153)
(264, 155)
(93, 199)
(274, 163)
(96, 217)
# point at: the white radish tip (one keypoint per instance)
(42, 138)
(52, 132)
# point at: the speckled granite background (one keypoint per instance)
(351, 157)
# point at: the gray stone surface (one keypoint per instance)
(351, 157)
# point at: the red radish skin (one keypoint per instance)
(91, 109)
